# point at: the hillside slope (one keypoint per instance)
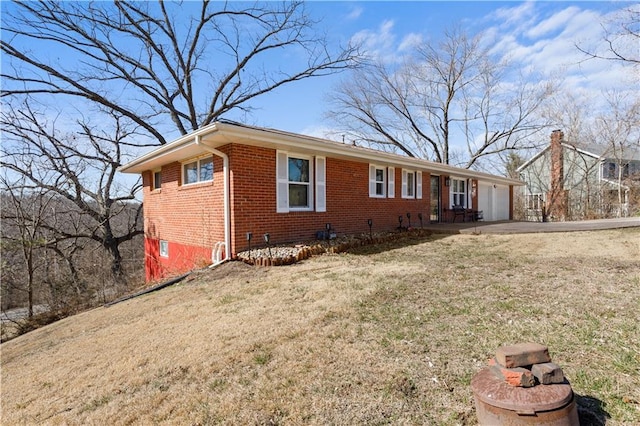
(389, 334)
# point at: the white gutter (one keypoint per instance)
(170, 147)
(277, 139)
(227, 215)
(297, 142)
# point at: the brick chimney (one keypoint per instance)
(557, 197)
(557, 158)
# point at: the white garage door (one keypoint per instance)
(493, 200)
(485, 201)
(502, 202)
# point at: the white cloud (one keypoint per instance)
(378, 44)
(549, 44)
(382, 45)
(354, 14)
(410, 41)
(514, 17)
(557, 22)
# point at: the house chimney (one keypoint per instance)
(557, 160)
(558, 197)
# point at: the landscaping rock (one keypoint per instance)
(287, 254)
(522, 354)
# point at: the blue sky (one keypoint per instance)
(536, 34)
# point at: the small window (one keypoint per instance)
(377, 181)
(458, 193)
(609, 171)
(625, 170)
(157, 180)
(411, 184)
(198, 171)
(380, 182)
(535, 201)
(164, 248)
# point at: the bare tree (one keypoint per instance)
(81, 169)
(150, 70)
(188, 63)
(23, 216)
(621, 38)
(618, 129)
(447, 92)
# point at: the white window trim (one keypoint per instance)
(373, 182)
(452, 193)
(197, 161)
(388, 182)
(163, 252)
(282, 182)
(417, 184)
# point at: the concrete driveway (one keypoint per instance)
(514, 227)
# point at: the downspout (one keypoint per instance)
(226, 197)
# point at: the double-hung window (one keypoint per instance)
(377, 181)
(411, 184)
(299, 183)
(381, 181)
(200, 170)
(458, 193)
(296, 183)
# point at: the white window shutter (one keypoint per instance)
(372, 180)
(404, 184)
(321, 187)
(391, 177)
(419, 185)
(282, 184)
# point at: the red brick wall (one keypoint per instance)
(189, 217)
(347, 193)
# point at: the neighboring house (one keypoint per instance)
(207, 193)
(571, 182)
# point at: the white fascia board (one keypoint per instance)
(173, 151)
(221, 133)
(581, 151)
(303, 143)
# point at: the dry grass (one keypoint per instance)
(382, 335)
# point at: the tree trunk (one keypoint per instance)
(30, 285)
(117, 269)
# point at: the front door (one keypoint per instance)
(435, 199)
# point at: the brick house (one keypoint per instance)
(206, 191)
(571, 181)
